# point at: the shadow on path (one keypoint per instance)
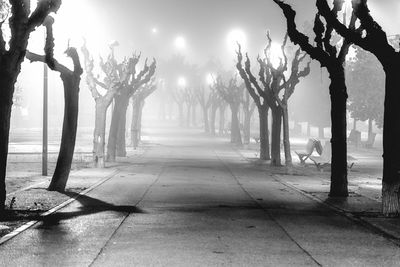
(88, 206)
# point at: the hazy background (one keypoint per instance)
(153, 26)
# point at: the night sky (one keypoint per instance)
(204, 25)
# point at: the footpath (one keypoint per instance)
(192, 200)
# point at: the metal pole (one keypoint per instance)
(45, 120)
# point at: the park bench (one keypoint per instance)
(310, 146)
(354, 138)
(324, 160)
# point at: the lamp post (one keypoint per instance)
(45, 121)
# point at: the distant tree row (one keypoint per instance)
(121, 84)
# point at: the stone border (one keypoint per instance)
(29, 224)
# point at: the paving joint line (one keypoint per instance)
(267, 211)
(349, 215)
(128, 214)
(29, 224)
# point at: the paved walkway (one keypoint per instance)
(193, 201)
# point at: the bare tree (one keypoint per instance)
(116, 139)
(138, 101)
(288, 87)
(232, 93)
(248, 107)
(179, 98)
(71, 80)
(215, 104)
(258, 96)
(22, 22)
(112, 83)
(204, 98)
(190, 101)
(371, 37)
(332, 58)
(222, 114)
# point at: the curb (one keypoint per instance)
(356, 219)
(29, 224)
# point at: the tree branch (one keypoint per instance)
(299, 38)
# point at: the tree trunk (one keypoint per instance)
(338, 92)
(286, 136)
(140, 119)
(370, 129)
(264, 133)
(135, 122)
(391, 143)
(119, 108)
(121, 140)
(354, 124)
(188, 115)
(181, 116)
(276, 136)
(221, 120)
(6, 95)
(321, 134)
(99, 134)
(236, 137)
(205, 119)
(68, 137)
(194, 115)
(212, 119)
(246, 127)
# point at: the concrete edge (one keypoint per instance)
(356, 219)
(29, 224)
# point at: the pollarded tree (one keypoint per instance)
(71, 80)
(190, 101)
(204, 98)
(371, 37)
(288, 87)
(179, 98)
(111, 84)
(222, 117)
(22, 22)
(138, 101)
(116, 139)
(232, 93)
(276, 80)
(258, 96)
(366, 81)
(248, 107)
(332, 58)
(216, 103)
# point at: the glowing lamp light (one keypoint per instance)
(210, 79)
(182, 82)
(234, 37)
(275, 54)
(180, 42)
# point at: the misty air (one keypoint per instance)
(199, 133)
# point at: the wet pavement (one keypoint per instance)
(194, 201)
